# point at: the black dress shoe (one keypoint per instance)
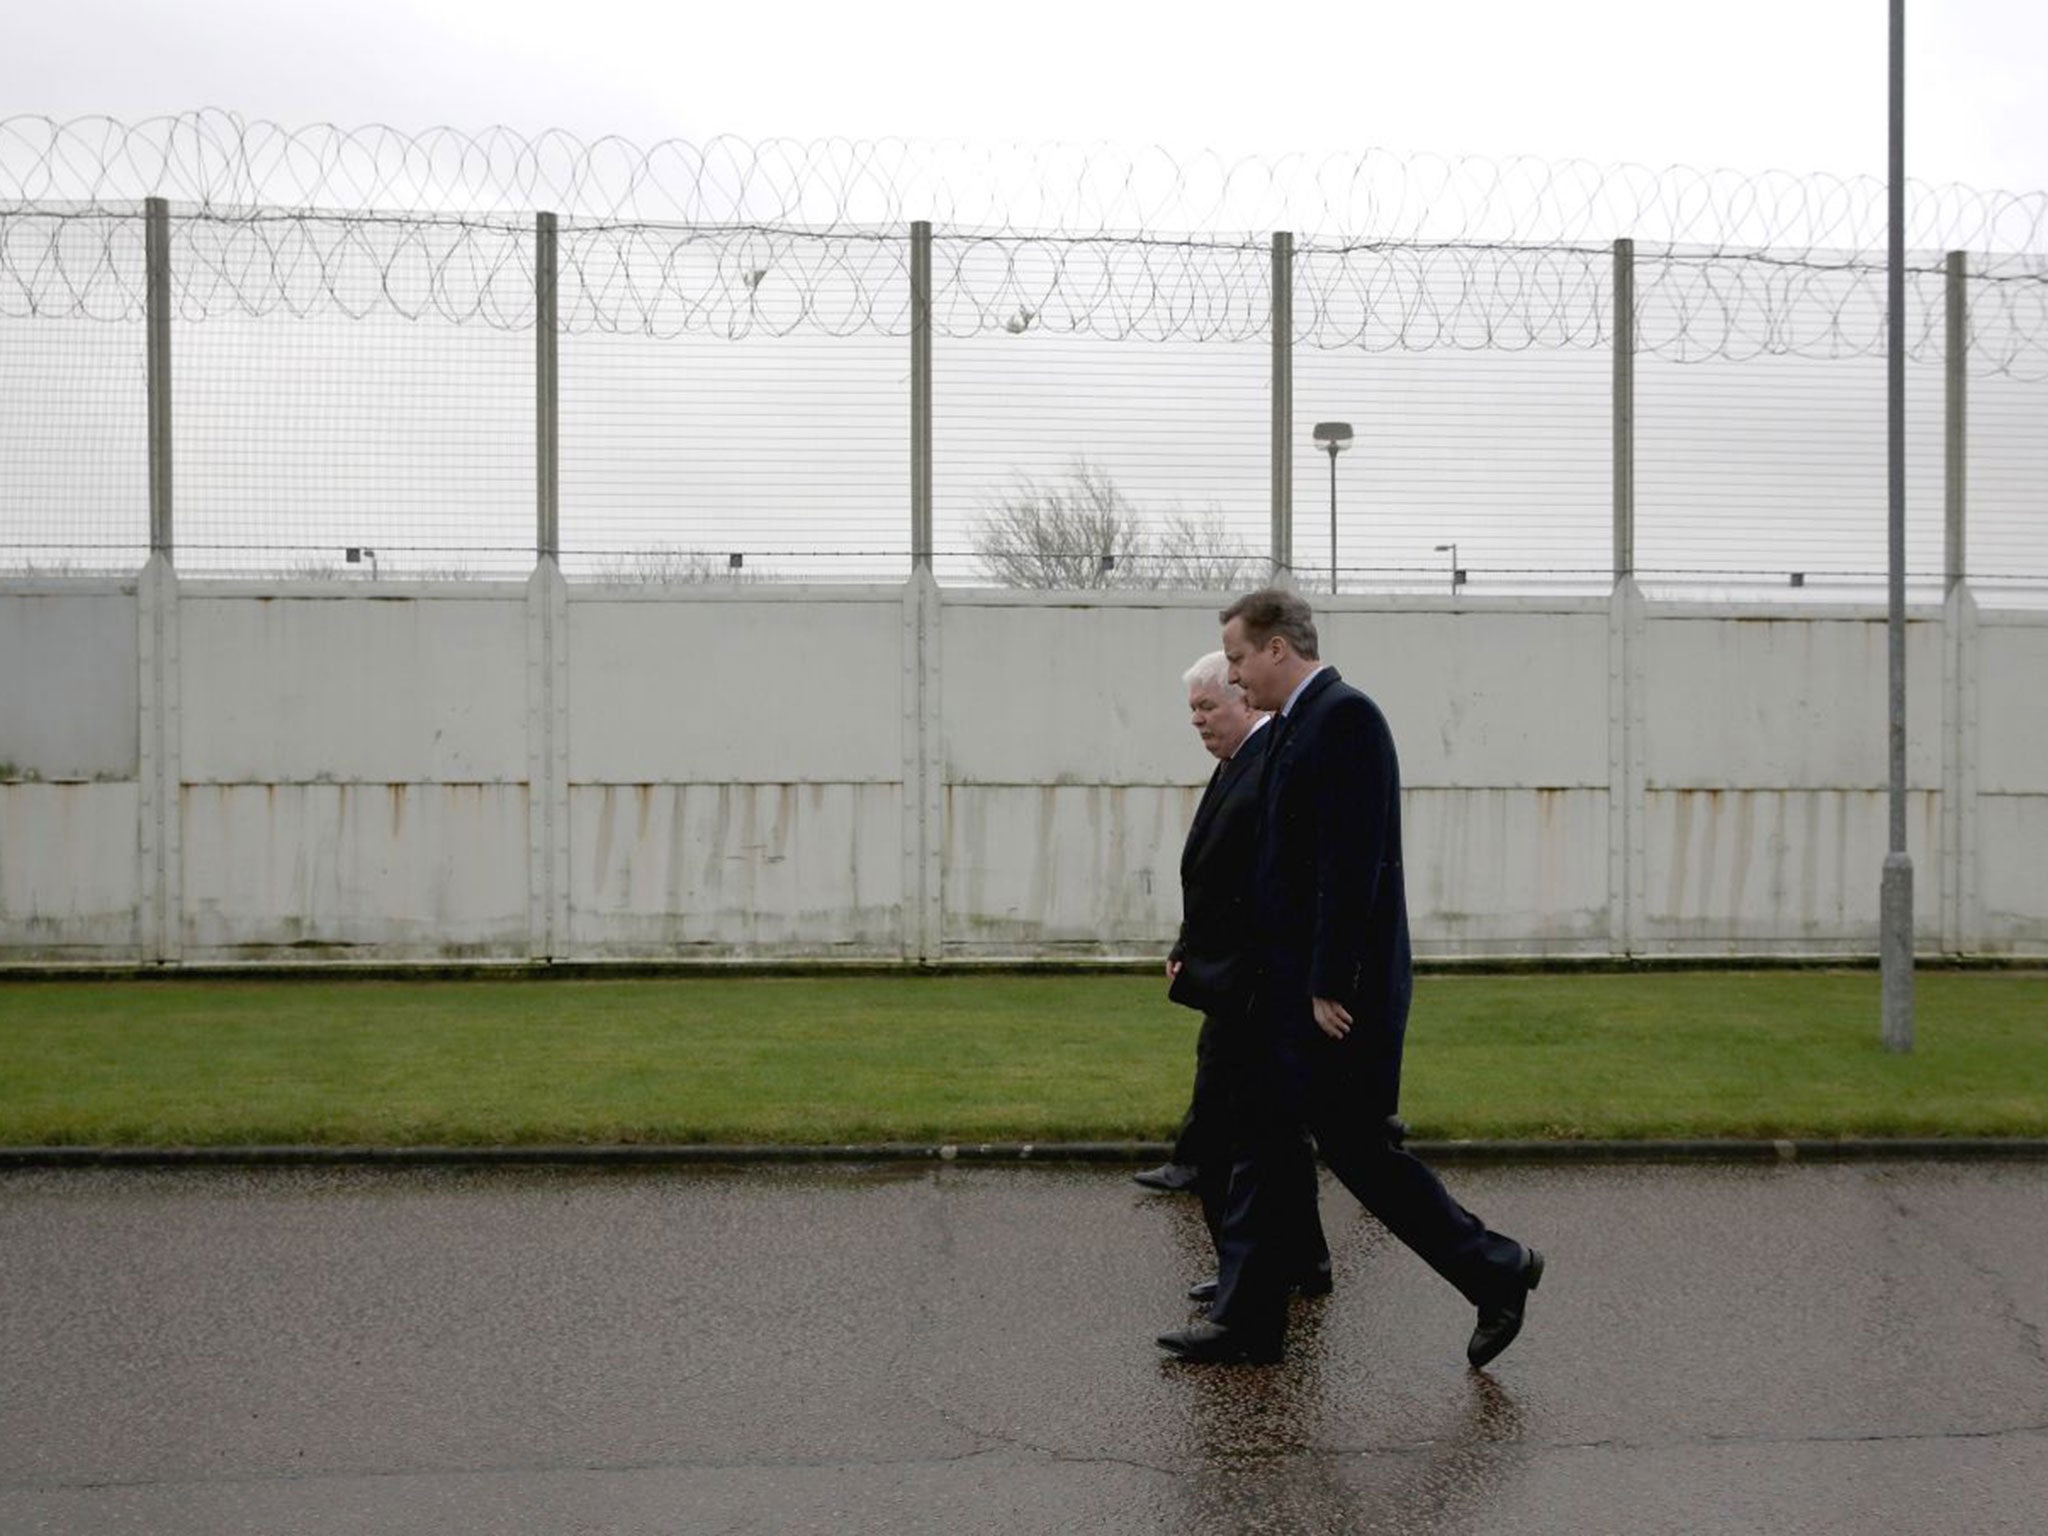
(1171, 1178)
(1501, 1323)
(1214, 1344)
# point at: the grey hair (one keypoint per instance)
(1212, 671)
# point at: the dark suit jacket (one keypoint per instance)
(1215, 883)
(1329, 913)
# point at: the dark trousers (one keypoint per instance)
(1344, 1093)
(1216, 1132)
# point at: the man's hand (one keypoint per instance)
(1332, 1017)
(1173, 970)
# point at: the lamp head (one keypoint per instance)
(1333, 437)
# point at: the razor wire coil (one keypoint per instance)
(742, 240)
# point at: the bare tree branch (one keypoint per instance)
(1081, 532)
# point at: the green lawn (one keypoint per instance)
(973, 1058)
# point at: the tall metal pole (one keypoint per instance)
(1895, 905)
(1333, 519)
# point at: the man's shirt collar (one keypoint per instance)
(1288, 707)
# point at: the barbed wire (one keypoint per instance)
(774, 238)
(218, 160)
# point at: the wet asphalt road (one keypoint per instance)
(1846, 1348)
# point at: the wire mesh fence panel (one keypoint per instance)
(301, 440)
(74, 395)
(2007, 479)
(1062, 461)
(1477, 392)
(1770, 474)
(1761, 425)
(348, 385)
(74, 447)
(1491, 464)
(695, 458)
(1099, 412)
(735, 405)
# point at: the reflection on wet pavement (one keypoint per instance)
(1810, 1348)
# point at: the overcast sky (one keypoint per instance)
(1747, 85)
(1796, 85)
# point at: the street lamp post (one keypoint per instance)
(1457, 573)
(1333, 437)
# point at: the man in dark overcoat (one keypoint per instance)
(1329, 1004)
(1210, 968)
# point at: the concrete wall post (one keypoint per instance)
(924, 790)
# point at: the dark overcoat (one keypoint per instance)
(1215, 884)
(1329, 914)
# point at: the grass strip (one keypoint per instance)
(980, 1058)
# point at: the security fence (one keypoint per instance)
(316, 353)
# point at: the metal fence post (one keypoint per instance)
(159, 774)
(1283, 403)
(157, 269)
(920, 395)
(1626, 804)
(923, 793)
(547, 627)
(546, 391)
(1959, 636)
(1955, 467)
(1624, 467)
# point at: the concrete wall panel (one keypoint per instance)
(2012, 709)
(1768, 871)
(716, 691)
(376, 690)
(1745, 702)
(1516, 698)
(1092, 694)
(68, 685)
(2012, 864)
(667, 870)
(1070, 694)
(69, 872)
(758, 774)
(1088, 869)
(380, 871)
(1500, 871)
